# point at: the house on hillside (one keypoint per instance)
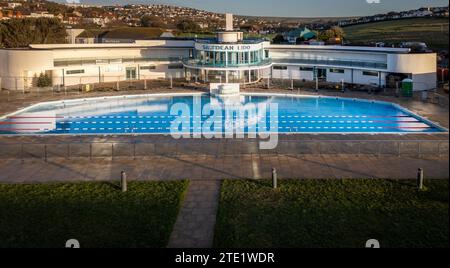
(120, 35)
(89, 36)
(303, 33)
(129, 35)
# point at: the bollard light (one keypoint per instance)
(420, 177)
(123, 181)
(274, 178)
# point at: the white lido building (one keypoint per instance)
(228, 58)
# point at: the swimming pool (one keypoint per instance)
(155, 114)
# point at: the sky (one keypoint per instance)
(289, 8)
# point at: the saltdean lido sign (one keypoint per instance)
(236, 48)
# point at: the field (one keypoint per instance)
(433, 31)
(332, 213)
(96, 214)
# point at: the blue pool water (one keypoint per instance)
(156, 115)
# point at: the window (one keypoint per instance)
(113, 68)
(131, 73)
(150, 67)
(175, 66)
(75, 72)
(102, 61)
(306, 69)
(280, 67)
(87, 62)
(116, 61)
(370, 73)
(337, 71)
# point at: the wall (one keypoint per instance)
(326, 55)
(356, 78)
(421, 67)
(18, 67)
(113, 73)
(294, 73)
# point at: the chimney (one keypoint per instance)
(229, 24)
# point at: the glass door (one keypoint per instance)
(131, 73)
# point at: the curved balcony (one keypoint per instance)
(197, 64)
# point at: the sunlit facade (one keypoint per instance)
(227, 58)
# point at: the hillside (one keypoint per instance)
(433, 31)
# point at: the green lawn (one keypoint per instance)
(96, 214)
(332, 213)
(433, 31)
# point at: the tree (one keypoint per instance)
(23, 32)
(188, 26)
(333, 32)
(152, 21)
(338, 32)
(44, 80)
(278, 39)
(300, 40)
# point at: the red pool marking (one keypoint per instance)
(19, 129)
(24, 123)
(388, 116)
(36, 117)
(381, 121)
(410, 127)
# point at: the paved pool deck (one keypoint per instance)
(207, 167)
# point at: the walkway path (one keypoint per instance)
(206, 167)
(196, 220)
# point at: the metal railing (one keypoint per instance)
(216, 147)
(199, 63)
(113, 60)
(333, 63)
(82, 84)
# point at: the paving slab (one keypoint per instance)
(196, 220)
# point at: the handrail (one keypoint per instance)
(198, 63)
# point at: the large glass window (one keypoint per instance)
(231, 58)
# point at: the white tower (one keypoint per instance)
(229, 35)
(229, 22)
